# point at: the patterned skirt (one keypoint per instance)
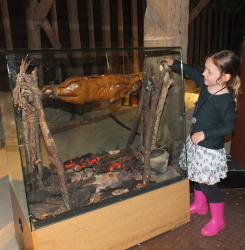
(204, 165)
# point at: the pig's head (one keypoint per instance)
(137, 83)
(48, 91)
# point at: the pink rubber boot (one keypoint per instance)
(217, 221)
(200, 204)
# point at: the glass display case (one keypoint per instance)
(89, 130)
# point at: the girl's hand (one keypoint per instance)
(168, 60)
(198, 137)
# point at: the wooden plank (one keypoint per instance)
(209, 31)
(215, 31)
(42, 11)
(91, 34)
(134, 24)
(106, 33)
(221, 29)
(120, 23)
(91, 23)
(75, 35)
(203, 33)
(106, 28)
(6, 24)
(191, 38)
(123, 224)
(226, 30)
(33, 33)
(54, 22)
(200, 6)
(121, 32)
(197, 40)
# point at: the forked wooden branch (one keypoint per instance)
(28, 83)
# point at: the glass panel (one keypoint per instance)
(90, 99)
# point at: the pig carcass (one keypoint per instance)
(80, 90)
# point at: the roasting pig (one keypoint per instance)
(80, 90)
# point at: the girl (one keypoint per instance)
(213, 118)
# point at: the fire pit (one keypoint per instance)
(99, 166)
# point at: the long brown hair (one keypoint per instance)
(229, 63)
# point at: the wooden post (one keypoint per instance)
(56, 30)
(203, 33)
(167, 25)
(121, 31)
(209, 30)
(197, 40)
(106, 32)
(91, 34)
(191, 34)
(33, 34)
(134, 17)
(221, 29)
(75, 35)
(6, 24)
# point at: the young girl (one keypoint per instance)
(213, 118)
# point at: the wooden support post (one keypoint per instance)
(106, 32)
(75, 36)
(6, 24)
(221, 29)
(209, 31)
(197, 40)
(134, 24)
(121, 31)
(91, 34)
(203, 33)
(54, 23)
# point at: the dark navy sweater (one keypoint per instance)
(216, 117)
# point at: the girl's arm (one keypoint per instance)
(194, 73)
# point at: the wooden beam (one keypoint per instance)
(120, 23)
(6, 24)
(54, 22)
(42, 11)
(90, 23)
(106, 28)
(134, 24)
(221, 29)
(197, 9)
(54, 40)
(91, 35)
(209, 31)
(121, 34)
(75, 35)
(106, 33)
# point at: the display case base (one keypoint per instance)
(117, 226)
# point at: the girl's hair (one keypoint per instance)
(229, 63)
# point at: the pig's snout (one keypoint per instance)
(48, 91)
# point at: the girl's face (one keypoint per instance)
(211, 73)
